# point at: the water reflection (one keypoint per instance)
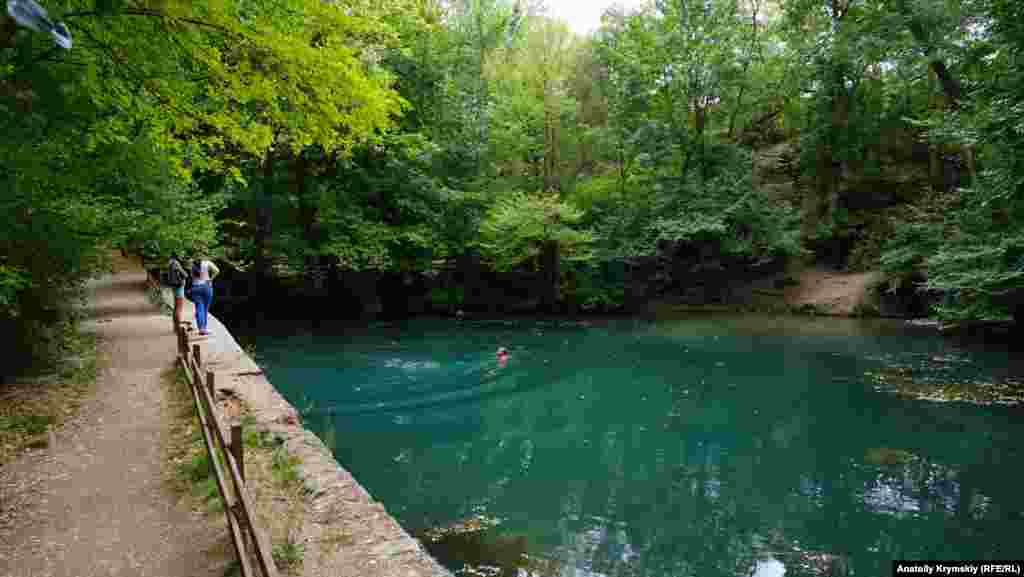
(769, 568)
(674, 450)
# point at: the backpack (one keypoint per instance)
(175, 274)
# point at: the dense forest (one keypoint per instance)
(403, 156)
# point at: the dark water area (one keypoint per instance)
(705, 446)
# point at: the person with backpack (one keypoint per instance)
(176, 277)
(203, 273)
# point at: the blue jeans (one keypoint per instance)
(202, 296)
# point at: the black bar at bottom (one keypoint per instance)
(957, 568)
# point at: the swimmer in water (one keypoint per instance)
(502, 355)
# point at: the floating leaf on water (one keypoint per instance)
(887, 456)
(474, 524)
(939, 389)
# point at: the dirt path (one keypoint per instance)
(829, 292)
(94, 503)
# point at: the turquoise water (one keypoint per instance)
(715, 446)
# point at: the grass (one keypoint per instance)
(288, 554)
(191, 476)
(29, 408)
(274, 482)
(187, 473)
(284, 467)
(287, 557)
(25, 424)
(271, 472)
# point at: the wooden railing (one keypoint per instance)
(249, 542)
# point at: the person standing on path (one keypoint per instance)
(177, 276)
(203, 273)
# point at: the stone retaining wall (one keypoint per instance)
(374, 544)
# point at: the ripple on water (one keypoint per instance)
(640, 444)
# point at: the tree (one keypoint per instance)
(536, 231)
(534, 110)
(979, 266)
(103, 140)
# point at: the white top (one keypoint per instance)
(207, 272)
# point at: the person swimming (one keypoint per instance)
(502, 356)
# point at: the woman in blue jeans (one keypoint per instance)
(203, 273)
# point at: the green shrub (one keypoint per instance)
(28, 424)
(287, 554)
(197, 469)
(284, 466)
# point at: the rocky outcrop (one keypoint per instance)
(834, 293)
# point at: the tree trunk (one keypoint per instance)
(7, 31)
(571, 300)
(264, 219)
(935, 172)
(736, 109)
(951, 86)
(700, 121)
(313, 266)
(551, 154)
(813, 199)
(551, 276)
(972, 168)
(472, 287)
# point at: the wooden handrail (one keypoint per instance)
(238, 506)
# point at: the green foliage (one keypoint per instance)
(101, 142)
(596, 293)
(284, 466)
(518, 226)
(397, 135)
(724, 211)
(13, 280)
(196, 469)
(25, 424)
(225, 80)
(198, 474)
(288, 554)
(907, 250)
(972, 251)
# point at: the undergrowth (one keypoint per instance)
(192, 474)
(271, 473)
(29, 407)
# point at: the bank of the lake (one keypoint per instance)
(709, 445)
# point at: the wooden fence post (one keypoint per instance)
(209, 386)
(236, 449)
(197, 356)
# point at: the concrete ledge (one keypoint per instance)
(375, 544)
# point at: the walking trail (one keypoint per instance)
(94, 504)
